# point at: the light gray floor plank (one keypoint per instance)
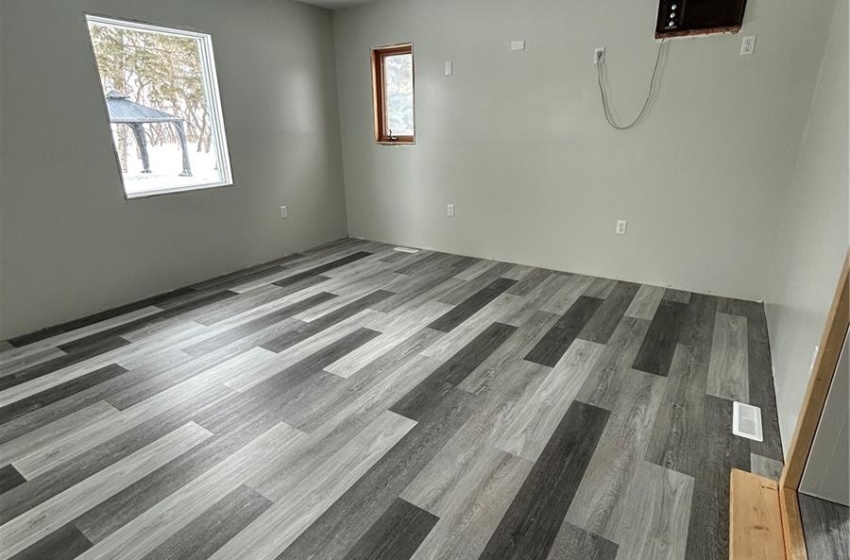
(14, 450)
(471, 508)
(728, 376)
(156, 525)
(618, 454)
(299, 503)
(766, 467)
(645, 303)
(602, 386)
(505, 305)
(538, 415)
(652, 522)
(56, 512)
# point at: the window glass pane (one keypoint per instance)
(398, 78)
(161, 98)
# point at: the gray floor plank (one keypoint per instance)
(396, 535)
(728, 374)
(827, 528)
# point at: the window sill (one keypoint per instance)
(176, 190)
(396, 142)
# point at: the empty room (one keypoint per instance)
(424, 280)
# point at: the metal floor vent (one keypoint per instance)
(406, 250)
(746, 421)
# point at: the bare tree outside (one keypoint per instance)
(165, 72)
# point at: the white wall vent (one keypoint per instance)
(746, 421)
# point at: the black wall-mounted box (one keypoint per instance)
(677, 18)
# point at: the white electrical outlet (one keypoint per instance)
(748, 45)
(599, 55)
(517, 45)
(621, 227)
(450, 210)
(449, 68)
(284, 213)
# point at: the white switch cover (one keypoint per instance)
(621, 227)
(748, 45)
(450, 210)
(449, 68)
(284, 213)
(517, 45)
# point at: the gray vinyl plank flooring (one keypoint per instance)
(396, 535)
(727, 374)
(356, 402)
(765, 466)
(827, 528)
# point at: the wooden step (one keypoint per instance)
(755, 522)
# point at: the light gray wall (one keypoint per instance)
(71, 245)
(827, 472)
(812, 239)
(518, 142)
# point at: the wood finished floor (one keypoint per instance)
(359, 403)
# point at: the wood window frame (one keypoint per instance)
(382, 135)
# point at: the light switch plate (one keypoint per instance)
(449, 68)
(518, 45)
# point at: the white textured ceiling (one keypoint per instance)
(335, 4)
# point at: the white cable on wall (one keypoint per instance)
(605, 103)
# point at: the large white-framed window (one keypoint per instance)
(162, 100)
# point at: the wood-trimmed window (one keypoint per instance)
(392, 85)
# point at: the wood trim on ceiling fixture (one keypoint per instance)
(378, 55)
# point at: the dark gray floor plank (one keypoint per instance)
(555, 343)
(326, 404)
(59, 392)
(343, 524)
(419, 286)
(47, 485)
(529, 528)
(720, 452)
(215, 342)
(319, 270)
(245, 424)
(660, 342)
(676, 441)
(42, 416)
(573, 543)
(10, 478)
(395, 535)
(471, 305)
(603, 323)
(471, 287)
(290, 339)
(423, 398)
(530, 281)
(761, 389)
(238, 277)
(827, 528)
(210, 531)
(253, 299)
(65, 544)
(95, 348)
(85, 345)
(97, 318)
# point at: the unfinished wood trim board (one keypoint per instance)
(756, 501)
(754, 519)
(819, 383)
